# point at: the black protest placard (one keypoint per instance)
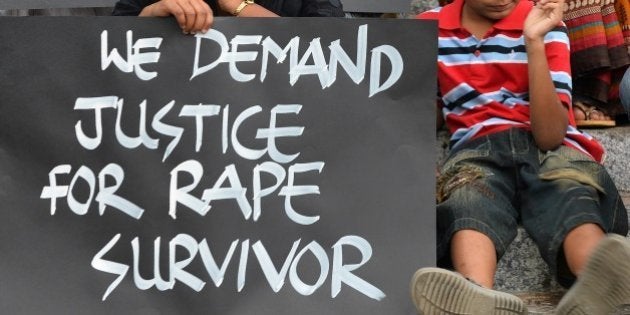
(269, 166)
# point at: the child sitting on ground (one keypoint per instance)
(516, 158)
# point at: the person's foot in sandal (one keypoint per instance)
(587, 116)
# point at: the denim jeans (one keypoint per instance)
(493, 183)
(624, 91)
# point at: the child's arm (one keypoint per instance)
(549, 118)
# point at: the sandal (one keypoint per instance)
(590, 119)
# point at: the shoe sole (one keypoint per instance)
(438, 291)
(605, 281)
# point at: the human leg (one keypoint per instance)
(469, 291)
(597, 51)
(579, 244)
(476, 222)
(624, 89)
(603, 285)
(474, 256)
(569, 205)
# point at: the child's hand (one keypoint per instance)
(543, 17)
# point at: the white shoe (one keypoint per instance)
(604, 285)
(439, 291)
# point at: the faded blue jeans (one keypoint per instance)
(624, 91)
(494, 183)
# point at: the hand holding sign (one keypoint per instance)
(195, 16)
(192, 15)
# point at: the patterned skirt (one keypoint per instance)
(599, 32)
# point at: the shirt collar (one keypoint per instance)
(450, 16)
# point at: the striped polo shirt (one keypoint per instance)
(483, 83)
